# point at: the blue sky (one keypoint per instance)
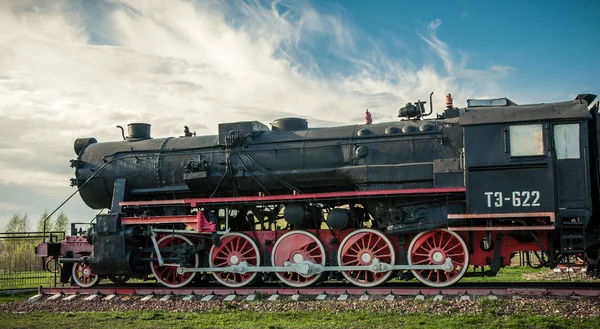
(551, 46)
(71, 69)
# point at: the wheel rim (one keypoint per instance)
(359, 248)
(84, 276)
(432, 248)
(296, 247)
(167, 275)
(235, 248)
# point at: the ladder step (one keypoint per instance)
(572, 223)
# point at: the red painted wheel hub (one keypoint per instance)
(433, 248)
(360, 248)
(167, 275)
(235, 248)
(296, 247)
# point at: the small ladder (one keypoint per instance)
(572, 237)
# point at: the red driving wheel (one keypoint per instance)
(433, 248)
(359, 248)
(235, 248)
(167, 275)
(296, 247)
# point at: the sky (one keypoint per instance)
(71, 69)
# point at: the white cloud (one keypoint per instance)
(176, 63)
(433, 25)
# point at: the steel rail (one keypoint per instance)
(496, 289)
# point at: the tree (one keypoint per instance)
(40, 224)
(16, 246)
(17, 223)
(62, 223)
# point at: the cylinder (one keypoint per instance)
(138, 131)
(296, 214)
(338, 219)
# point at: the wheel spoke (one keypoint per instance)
(452, 248)
(426, 260)
(351, 262)
(355, 248)
(237, 245)
(447, 243)
(379, 239)
(313, 249)
(429, 245)
(380, 249)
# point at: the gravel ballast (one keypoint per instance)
(569, 307)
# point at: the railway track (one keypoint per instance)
(323, 292)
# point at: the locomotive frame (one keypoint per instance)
(422, 198)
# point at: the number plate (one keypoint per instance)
(515, 190)
(516, 198)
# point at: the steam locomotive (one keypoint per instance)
(424, 198)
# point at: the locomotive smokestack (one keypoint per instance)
(138, 131)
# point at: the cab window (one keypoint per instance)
(526, 140)
(566, 141)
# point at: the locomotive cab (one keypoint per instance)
(528, 167)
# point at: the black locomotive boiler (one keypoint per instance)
(419, 197)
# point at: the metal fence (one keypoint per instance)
(20, 267)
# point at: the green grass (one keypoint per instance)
(13, 298)
(508, 274)
(280, 320)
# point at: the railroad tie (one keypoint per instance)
(207, 298)
(295, 297)
(92, 297)
(110, 297)
(69, 298)
(147, 298)
(35, 298)
(229, 298)
(390, 297)
(55, 297)
(438, 298)
(465, 298)
(188, 298)
(364, 297)
(165, 298)
(322, 297)
(250, 298)
(273, 298)
(343, 297)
